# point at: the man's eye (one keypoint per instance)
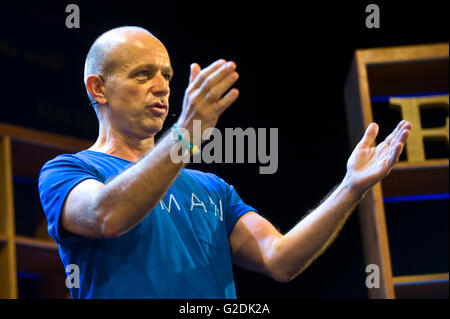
(142, 74)
(167, 76)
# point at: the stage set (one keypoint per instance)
(319, 75)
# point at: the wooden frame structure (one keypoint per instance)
(23, 151)
(387, 72)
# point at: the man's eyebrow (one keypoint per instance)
(168, 69)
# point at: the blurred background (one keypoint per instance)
(293, 59)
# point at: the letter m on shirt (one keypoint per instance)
(164, 207)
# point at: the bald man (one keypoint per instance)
(139, 225)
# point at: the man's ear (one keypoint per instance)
(96, 88)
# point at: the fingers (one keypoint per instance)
(403, 133)
(220, 82)
(398, 137)
(393, 137)
(195, 70)
(204, 98)
(395, 154)
(398, 140)
(212, 82)
(205, 73)
(228, 99)
(369, 136)
(393, 133)
(215, 80)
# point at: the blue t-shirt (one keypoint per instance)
(179, 250)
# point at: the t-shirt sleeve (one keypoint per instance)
(56, 179)
(234, 207)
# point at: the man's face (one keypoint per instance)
(137, 88)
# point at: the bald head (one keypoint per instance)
(111, 49)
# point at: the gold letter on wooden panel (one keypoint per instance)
(410, 109)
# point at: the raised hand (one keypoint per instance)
(204, 98)
(368, 165)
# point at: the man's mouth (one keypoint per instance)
(158, 108)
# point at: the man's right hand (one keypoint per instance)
(204, 98)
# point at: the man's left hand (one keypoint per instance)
(368, 165)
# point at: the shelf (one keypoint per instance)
(421, 286)
(406, 178)
(41, 258)
(379, 73)
(50, 140)
(37, 256)
(35, 242)
(435, 163)
(428, 75)
(30, 265)
(27, 144)
(3, 238)
(21, 154)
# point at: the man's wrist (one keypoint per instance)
(356, 191)
(182, 137)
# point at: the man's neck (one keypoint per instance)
(120, 145)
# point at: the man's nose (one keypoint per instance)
(160, 86)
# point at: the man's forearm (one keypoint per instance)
(297, 249)
(127, 199)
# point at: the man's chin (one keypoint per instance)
(155, 127)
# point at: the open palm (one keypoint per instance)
(368, 165)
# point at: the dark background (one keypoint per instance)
(293, 59)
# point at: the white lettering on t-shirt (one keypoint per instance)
(163, 206)
(199, 202)
(217, 211)
(215, 206)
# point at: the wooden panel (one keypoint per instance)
(353, 102)
(39, 146)
(392, 56)
(403, 53)
(385, 66)
(375, 241)
(8, 279)
(422, 286)
(41, 257)
(37, 243)
(6, 193)
(371, 214)
(32, 148)
(3, 238)
(37, 257)
(31, 136)
(430, 177)
(408, 77)
(23, 151)
(420, 278)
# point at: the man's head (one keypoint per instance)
(127, 74)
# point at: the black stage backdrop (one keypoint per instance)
(293, 59)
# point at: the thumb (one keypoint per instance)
(195, 70)
(369, 136)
